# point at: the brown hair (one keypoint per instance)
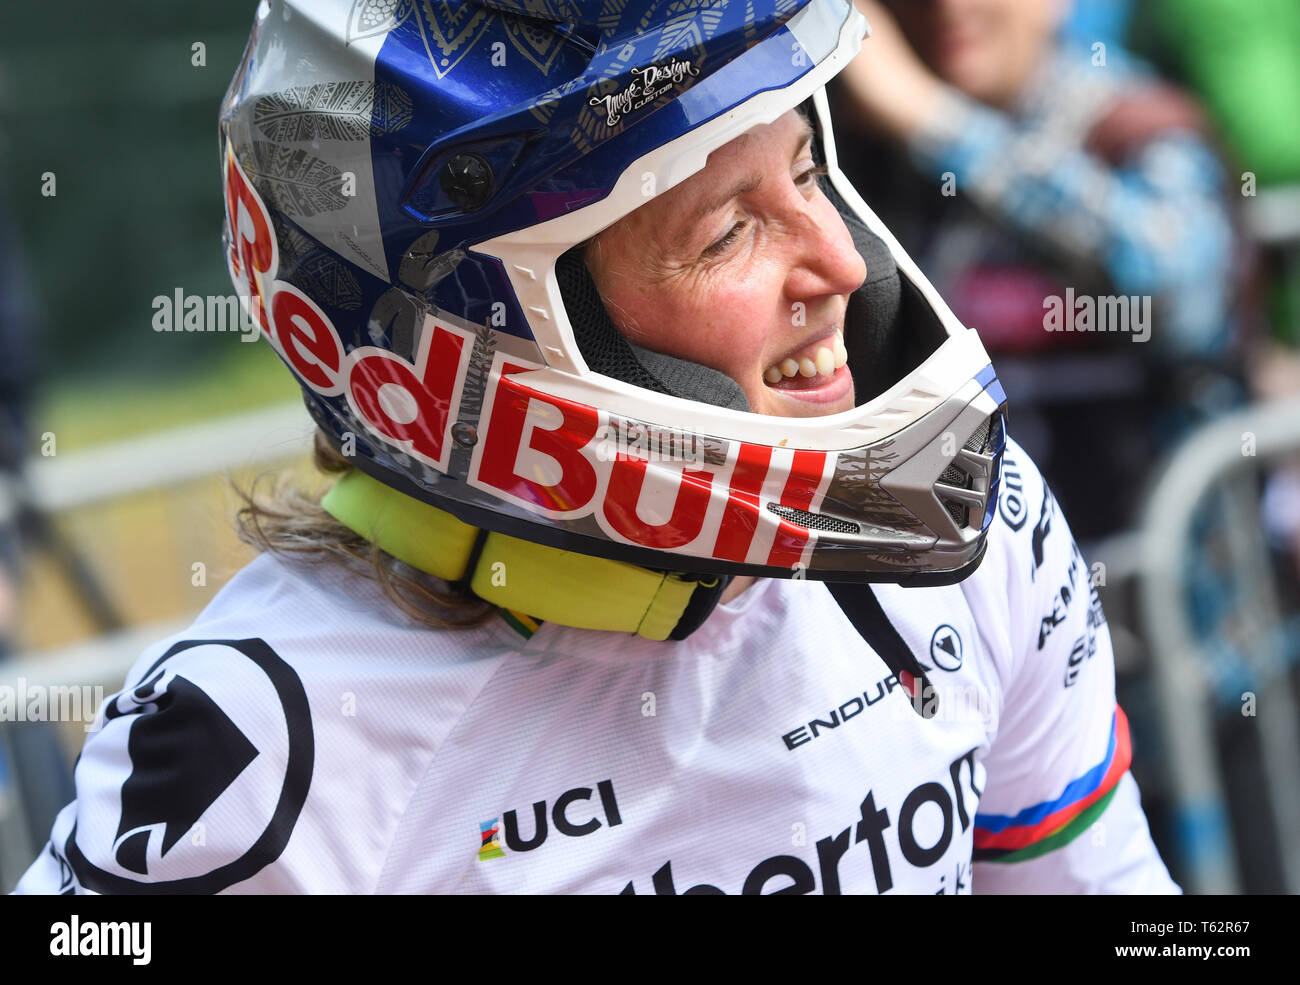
(290, 522)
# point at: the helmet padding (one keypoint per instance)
(607, 352)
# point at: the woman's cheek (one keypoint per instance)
(727, 319)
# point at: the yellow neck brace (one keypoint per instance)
(545, 582)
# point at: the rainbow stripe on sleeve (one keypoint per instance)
(1047, 826)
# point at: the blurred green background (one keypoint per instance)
(109, 99)
(112, 104)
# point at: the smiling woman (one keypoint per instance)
(577, 671)
(753, 282)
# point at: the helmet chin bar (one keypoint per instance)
(912, 508)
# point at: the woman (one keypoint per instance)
(609, 447)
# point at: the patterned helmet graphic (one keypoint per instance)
(406, 183)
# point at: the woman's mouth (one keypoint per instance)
(815, 377)
(809, 368)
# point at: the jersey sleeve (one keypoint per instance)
(1060, 812)
(192, 780)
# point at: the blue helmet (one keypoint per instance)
(407, 183)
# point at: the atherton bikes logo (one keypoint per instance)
(890, 834)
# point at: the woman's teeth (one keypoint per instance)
(824, 362)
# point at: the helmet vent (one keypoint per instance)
(978, 439)
(815, 521)
(959, 513)
(957, 480)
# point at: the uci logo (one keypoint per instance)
(490, 833)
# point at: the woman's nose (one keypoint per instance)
(826, 261)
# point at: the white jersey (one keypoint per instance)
(304, 736)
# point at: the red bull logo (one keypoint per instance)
(547, 454)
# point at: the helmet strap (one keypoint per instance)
(546, 583)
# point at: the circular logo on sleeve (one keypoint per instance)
(199, 775)
(945, 648)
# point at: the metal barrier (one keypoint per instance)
(167, 458)
(1212, 464)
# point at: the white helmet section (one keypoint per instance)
(342, 213)
(529, 257)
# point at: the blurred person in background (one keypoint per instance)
(1097, 20)
(1025, 173)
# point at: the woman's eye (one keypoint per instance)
(811, 175)
(722, 244)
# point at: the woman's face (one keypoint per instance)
(745, 267)
(986, 48)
